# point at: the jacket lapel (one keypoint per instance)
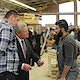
(20, 52)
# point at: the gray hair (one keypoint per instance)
(19, 26)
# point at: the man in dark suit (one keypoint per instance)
(25, 52)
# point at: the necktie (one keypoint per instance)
(24, 47)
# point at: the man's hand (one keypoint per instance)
(26, 67)
(57, 75)
(46, 39)
(40, 62)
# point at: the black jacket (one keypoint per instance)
(23, 75)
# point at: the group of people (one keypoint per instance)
(75, 32)
(34, 39)
(15, 49)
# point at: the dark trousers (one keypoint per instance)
(10, 76)
(23, 75)
(36, 49)
(7, 76)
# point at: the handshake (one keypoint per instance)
(27, 67)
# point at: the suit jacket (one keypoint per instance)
(29, 54)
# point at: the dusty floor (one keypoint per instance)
(40, 73)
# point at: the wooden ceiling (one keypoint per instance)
(40, 5)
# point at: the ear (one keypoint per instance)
(18, 34)
(62, 29)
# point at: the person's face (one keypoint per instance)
(51, 32)
(76, 27)
(37, 32)
(57, 29)
(15, 20)
(33, 33)
(72, 27)
(44, 31)
(24, 34)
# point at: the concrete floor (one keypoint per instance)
(40, 73)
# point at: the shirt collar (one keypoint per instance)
(19, 38)
(5, 21)
(65, 36)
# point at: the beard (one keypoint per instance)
(60, 33)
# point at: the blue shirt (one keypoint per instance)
(9, 59)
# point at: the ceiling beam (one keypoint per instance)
(20, 4)
(55, 1)
(63, 1)
(33, 2)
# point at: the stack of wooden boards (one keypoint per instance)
(53, 64)
(78, 61)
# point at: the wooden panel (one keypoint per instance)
(28, 18)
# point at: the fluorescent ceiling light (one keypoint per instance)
(24, 5)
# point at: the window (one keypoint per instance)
(78, 10)
(66, 7)
(68, 18)
(78, 20)
(78, 6)
(48, 19)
